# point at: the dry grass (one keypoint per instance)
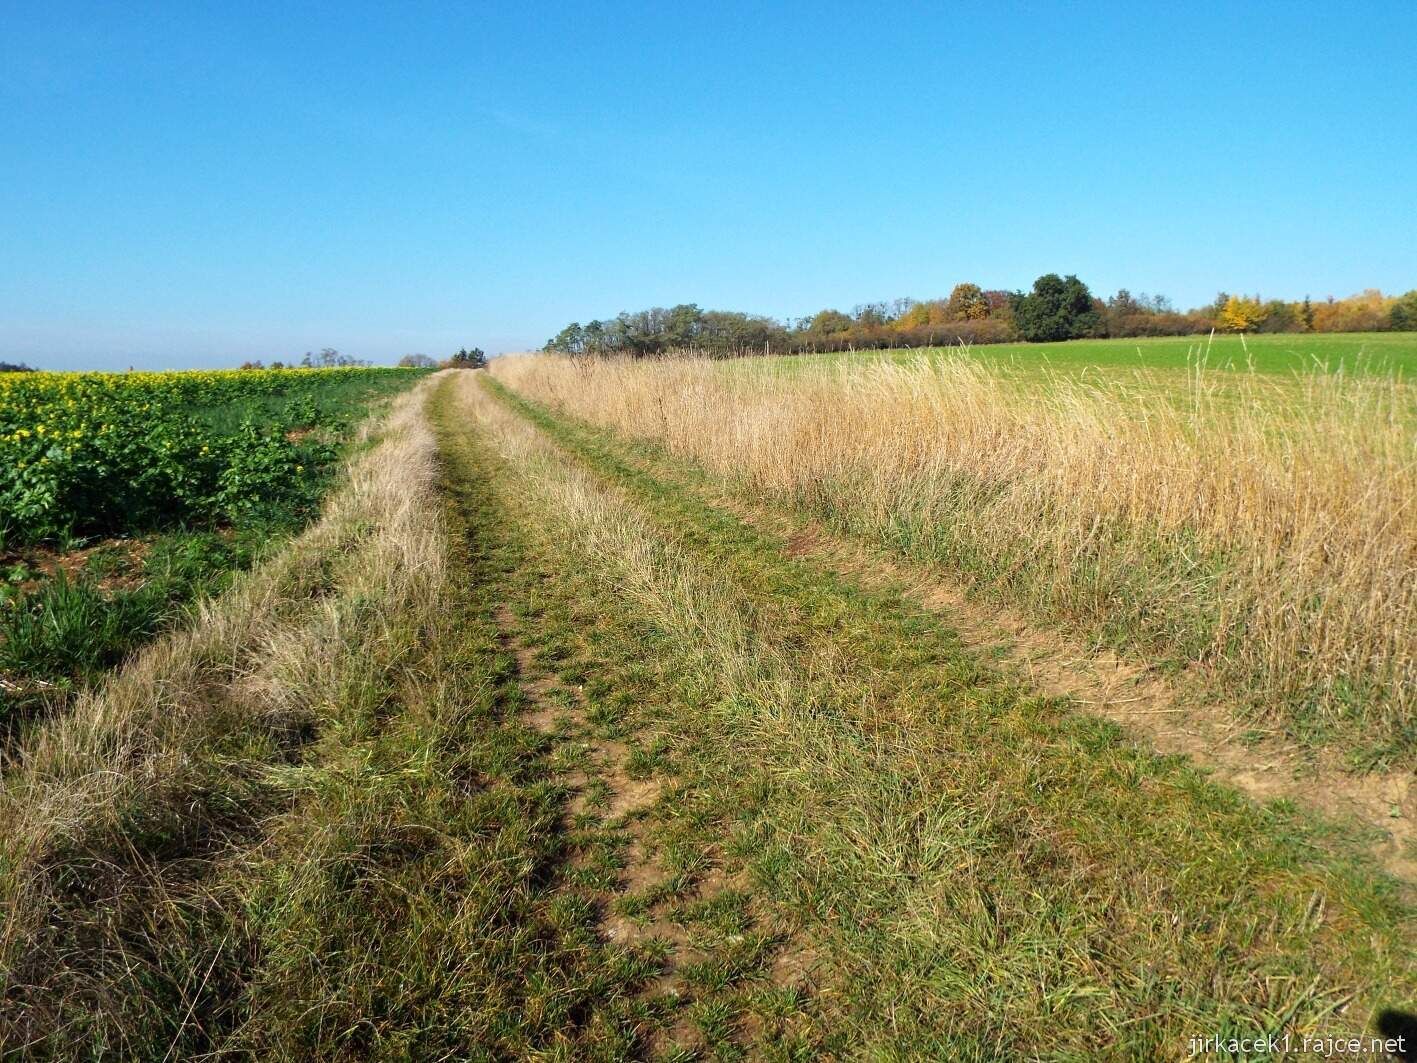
(1258, 531)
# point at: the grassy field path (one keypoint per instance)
(533, 748)
(851, 834)
(694, 958)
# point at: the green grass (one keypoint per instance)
(1277, 354)
(578, 638)
(441, 917)
(70, 628)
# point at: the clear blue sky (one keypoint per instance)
(192, 184)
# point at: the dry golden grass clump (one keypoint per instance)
(1256, 530)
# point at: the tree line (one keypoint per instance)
(1056, 308)
(328, 358)
(462, 358)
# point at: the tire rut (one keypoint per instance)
(605, 790)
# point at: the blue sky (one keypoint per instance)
(195, 184)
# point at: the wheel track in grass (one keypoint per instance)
(728, 546)
(603, 795)
(612, 856)
(1172, 720)
(1261, 763)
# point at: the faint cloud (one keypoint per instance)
(519, 122)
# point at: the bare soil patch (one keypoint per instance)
(46, 562)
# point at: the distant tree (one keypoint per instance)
(916, 315)
(570, 340)
(871, 315)
(728, 332)
(682, 325)
(468, 359)
(1279, 316)
(1403, 315)
(329, 358)
(1122, 311)
(967, 303)
(1216, 308)
(1058, 308)
(1306, 315)
(252, 365)
(417, 361)
(1124, 303)
(593, 338)
(827, 322)
(1241, 314)
(1368, 311)
(277, 365)
(16, 367)
(1001, 307)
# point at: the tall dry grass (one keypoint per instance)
(1258, 530)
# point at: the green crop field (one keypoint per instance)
(1279, 354)
(123, 497)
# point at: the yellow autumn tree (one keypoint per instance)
(930, 313)
(916, 317)
(1241, 314)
